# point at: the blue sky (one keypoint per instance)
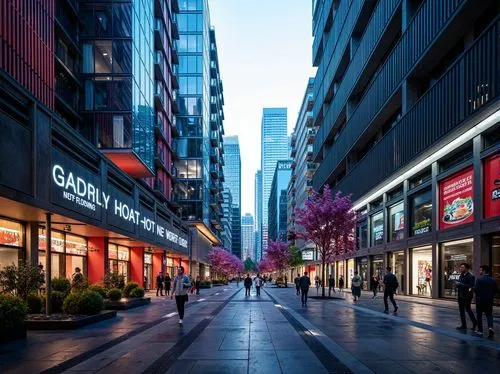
(265, 60)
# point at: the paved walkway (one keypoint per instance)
(226, 332)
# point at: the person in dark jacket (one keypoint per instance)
(297, 284)
(485, 289)
(159, 284)
(374, 286)
(331, 284)
(304, 283)
(247, 283)
(341, 283)
(391, 285)
(465, 286)
(197, 284)
(168, 284)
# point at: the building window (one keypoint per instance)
(420, 178)
(377, 266)
(119, 260)
(377, 228)
(454, 254)
(11, 242)
(421, 213)
(103, 56)
(422, 271)
(397, 262)
(397, 221)
(57, 252)
(362, 234)
(88, 58)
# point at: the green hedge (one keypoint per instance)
(57, 301)
(13, 312)
(114, 294)
(62, 285)
(86, 302)
(128, 288)
(99, 289)
(35, 303)
(137, 292)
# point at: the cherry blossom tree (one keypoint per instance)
(223, 262)
(265, 265)
(329, 222)
(279, 255)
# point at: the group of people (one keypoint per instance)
(165, 282)
(259, 282)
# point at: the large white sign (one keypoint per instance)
(307, 255)
(85, 194)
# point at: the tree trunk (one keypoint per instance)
(322, 276)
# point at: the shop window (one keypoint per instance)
(395, 193)
(119, 257)
(421, 178)
(454, 254)
(397, 221)
(76, 245)
(397, 262)
(9, 256)
(377, 267)
(422, 271)
(363, 271)
(421, 213)
(11, 233)
(376, 204)
(362, 234)
(377, 228)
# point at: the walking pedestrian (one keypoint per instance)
(238, 281)
(258, 283)
(341, 283)
(465, 286)
(247, 283)
(197, 284)
(168, 283)
(159, 284)
(316, 282)
(181, 286)
(297, 284)
(374, 286)
(356, 286)
(391, 285)
(304, 284)
(485, 289)
(331, 284)
(146, 287)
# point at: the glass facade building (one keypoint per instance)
(258, 215)
(274, 148)
(227, 219)
(232, 175)
(278, 201)
(247, 237)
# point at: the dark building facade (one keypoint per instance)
(90, 119)
(407, 109)
(278, 201)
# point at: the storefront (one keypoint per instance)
(362, 267)
(148, 271)
(453, 254)
(350, 271)
(340, 271)
(377, 267)
(421, 268)
(397, 263)
(495, 264)
(119, 260)
(11, 242)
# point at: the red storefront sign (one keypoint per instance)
(492, 186)
(456, 204)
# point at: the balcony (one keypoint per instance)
(160, 130)
(293, 141)
(173, 172)
(160, 159)
(175, 27)
(311, 134)
(174, 149)
(66, 22)
(173, 126)
(309, 153)
(293, 177)
(70, 63)
(159, 96)
(214, 219)
(159, 66)
(214, 201)
(294, 165)
(159, 31)
(158, 8)
(158, 186)
(175, 6)
(214, 186)
(175, 53)
(310, 102)
(471, 83)
(214, 138)
(214, 171)
(293, 152)
(214, 122)
(175, 77)
(221, 175)
(309, 120)
(213, 69)
(214, 156)
(175, 103)
(213, 86)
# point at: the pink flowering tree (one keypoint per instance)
(265, 265)
(279, 255)
(221, 261)
(236, 265)
(329, 222)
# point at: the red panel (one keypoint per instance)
(128, 162)
(492, 186)
(137, 265)
(456, 195)
(157, 263)
(96, 259)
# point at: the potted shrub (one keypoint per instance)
(20, 280)
(137, 292)
(128, 288)
(86, 302)
(114, 280)
(99, 289)
(114, 294)
(35, 303)
(13, 312)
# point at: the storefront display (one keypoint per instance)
(340, 271)
(455, 253)
(397, 262)
(377, 228)
(350, 271)
(377, 267)
(119, 260)
(421, 263)
(397, 221)
(11, 242)
(148, 271)
(421, 213)
(492, 186)
(456, 204)
(362, 266)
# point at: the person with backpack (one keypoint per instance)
(258, 283)
(465, 286)
(248, 284)
(297, 284)
(391, 285)
(181, 286)
(304, 284)
(341, 283)
(356, 286)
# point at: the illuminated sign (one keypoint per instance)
(307, 255)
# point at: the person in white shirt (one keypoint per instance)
(181, 287)
(258, 283)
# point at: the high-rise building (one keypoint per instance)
(232, 175)
(303, 166)
(247, 237)
(227, 220)
(274, 148)
(278, 201)
(406, 98)
(82, 104)
(258, 215)
(200, 148)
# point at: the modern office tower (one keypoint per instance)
(303, 166)
(258, 215)
(406, 98)
(227, 220)
(78, 114)
(278, 201)
(200, 143)
(274, 148)
(232, 175)
(247, 237)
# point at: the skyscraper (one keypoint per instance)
(200, 122)
(227, 220)
(277, 206)
(232, 177)
(247, 237)
(258, 215)
(275, 147)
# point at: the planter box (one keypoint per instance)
(69, 324)
(126, 304)
(205, 286)
(13, 335)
